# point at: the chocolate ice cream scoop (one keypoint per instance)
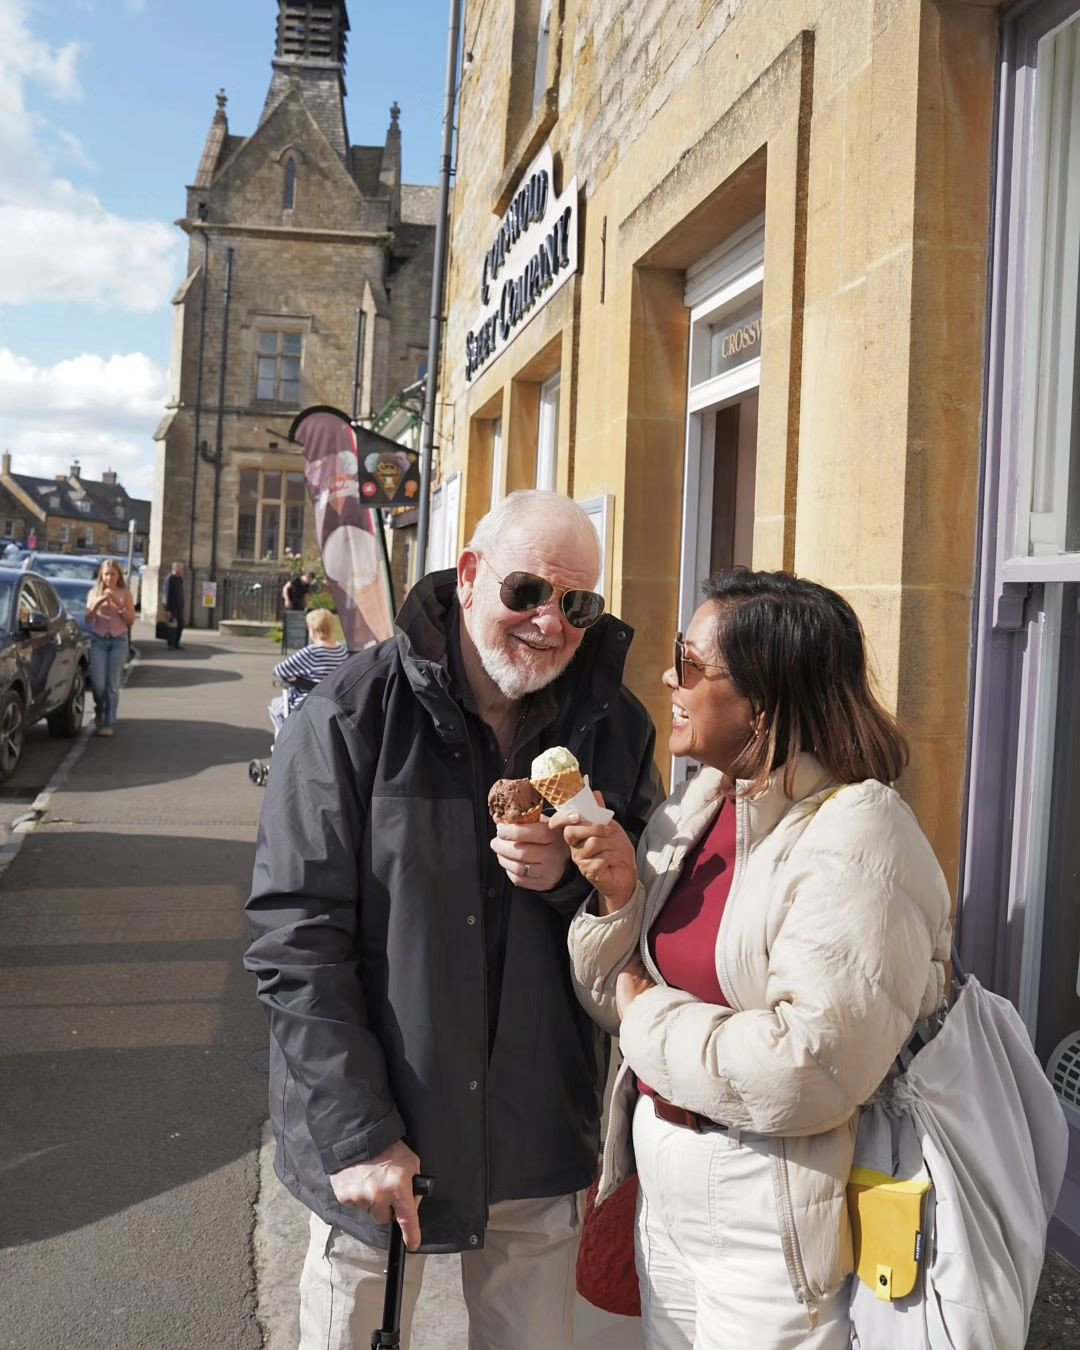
(514, 801)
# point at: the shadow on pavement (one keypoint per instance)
(152, 649)
(150, 676)
(132, 1050)
(146, 751)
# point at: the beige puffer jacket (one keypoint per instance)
(831, 947)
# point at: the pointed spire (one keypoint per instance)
(215, 141)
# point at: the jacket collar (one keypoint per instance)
(700, 799)
(585, 691)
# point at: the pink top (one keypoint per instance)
(109, 621)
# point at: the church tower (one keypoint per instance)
(328, 258)
(311, 41)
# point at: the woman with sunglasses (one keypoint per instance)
(763, 960)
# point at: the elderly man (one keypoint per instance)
(412, 959)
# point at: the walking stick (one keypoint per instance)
(388, 1336)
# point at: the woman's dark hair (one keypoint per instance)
(795, 650)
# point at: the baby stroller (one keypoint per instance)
(259, 769)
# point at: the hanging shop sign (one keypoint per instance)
(533, 252)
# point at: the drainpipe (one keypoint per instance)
(442, 234)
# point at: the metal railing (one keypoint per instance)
(255, 596)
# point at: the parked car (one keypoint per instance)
(74, 594)
(78, 567)
(44, 658)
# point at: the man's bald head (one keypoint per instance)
(546, 520)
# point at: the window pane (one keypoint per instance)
(249, 485)
(290, 367)
(245, 533)
(272, 486)
(268, 342)
(294, 487)
(289, 392)
(1051, 432)
(294, 528)
(293, 343)
(271, 522)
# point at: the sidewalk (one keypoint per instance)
(140, 1210)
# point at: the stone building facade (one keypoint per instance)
(326, 243)
(784, 333)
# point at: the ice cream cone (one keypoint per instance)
(560, 787)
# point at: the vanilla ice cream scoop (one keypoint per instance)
(554, 761)
(557, 776)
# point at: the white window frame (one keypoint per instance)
(547, 433)
(725, 279)
(498, 461)
(1038, 536)
(599, 511)
(723, 282)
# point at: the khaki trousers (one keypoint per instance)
(518, 1289)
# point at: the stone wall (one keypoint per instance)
(862, 130)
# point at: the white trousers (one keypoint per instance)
(518, 1289)
(709, 1256)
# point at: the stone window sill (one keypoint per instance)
(527, 148)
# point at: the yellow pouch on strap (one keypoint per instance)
(887, 1230)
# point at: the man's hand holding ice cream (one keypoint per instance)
(534, 858)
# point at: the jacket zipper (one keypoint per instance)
(479, 830)
(792, 1251)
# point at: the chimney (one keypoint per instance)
(75, 470)
(7, 461)
(109, 477)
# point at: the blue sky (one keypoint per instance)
(104, 108)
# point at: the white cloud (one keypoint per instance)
(60, 241)
(101, 411)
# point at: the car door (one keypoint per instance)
(39, 650)
(65, 653)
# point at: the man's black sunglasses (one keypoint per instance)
(521, 592)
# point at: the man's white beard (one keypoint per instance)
(512, 681)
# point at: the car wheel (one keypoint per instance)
(67, 721)
(12, 732)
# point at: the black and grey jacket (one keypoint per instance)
(367, 911)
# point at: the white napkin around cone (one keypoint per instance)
(586, 806)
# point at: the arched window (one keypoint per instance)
(290, 184)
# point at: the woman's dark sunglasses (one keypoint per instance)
(521, 592)
(682, 662)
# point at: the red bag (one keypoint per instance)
(606, 1273)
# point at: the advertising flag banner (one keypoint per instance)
(343, 523)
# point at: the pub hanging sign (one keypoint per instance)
(533, 252)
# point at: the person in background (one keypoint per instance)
(11, 551)
(110, 612)
(296, 590)
(763, 961)
(310, 664)
(174, 604)
(411, 955)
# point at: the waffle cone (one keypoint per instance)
(560, 787)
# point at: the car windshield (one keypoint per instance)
(78, 569)
(74, 595)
